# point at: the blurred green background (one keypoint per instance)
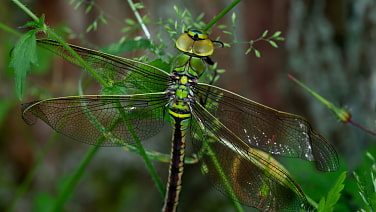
(330, 46)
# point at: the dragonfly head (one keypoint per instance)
(195, 43)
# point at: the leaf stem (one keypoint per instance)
(74, 54)
(10, 30)
(26, 10)
(139, 19)
(221, 14)
(31, 174)
(69, 187)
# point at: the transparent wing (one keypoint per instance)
(139, 76)
(267, 129)
(246, 175)
(101, 120)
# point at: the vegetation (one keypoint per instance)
(45, 174)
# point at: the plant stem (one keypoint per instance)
(139, 19)
(74, 54)
(8, 29)
(31, 174)
(221, 14)
(26, 10)
(68, 188)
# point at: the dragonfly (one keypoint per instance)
(235, 138)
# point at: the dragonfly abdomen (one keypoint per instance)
(180, 123)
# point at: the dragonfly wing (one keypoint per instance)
(141, 77)
(246, 175)
(101, 120)
(267, 129)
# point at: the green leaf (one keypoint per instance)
(116, 89)
(43, 202)
(264, 34)
(103, 19)
(22, 55)
(130, 21)
(160, 64)
(248, 51)
(257, 53)
(233, 18)
(88, 8)
(78, 4)
(32, 24)
(222, 26)
(273, 43)
(127, 45)
(138, 6)
(227, 32)
(276, 34)
(327, 204)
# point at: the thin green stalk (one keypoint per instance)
(67, 190)
(312, 202)
(223, 177)
(64, 195)
(26, 10)
(139, 146)
(30, 176)
(74, 54)
(104, 83)
(142, 152)
(10, 30)
(139, 19)
(221, 14)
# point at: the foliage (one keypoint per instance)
(156, 46)
(328, 203)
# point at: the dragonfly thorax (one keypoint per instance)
(180, 92)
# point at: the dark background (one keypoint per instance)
(330, 46)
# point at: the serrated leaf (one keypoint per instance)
(273, 43)
(41, 22)
(36, 24)
(265, 33)
(23, 54)
(32, 24)
(327, 204)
